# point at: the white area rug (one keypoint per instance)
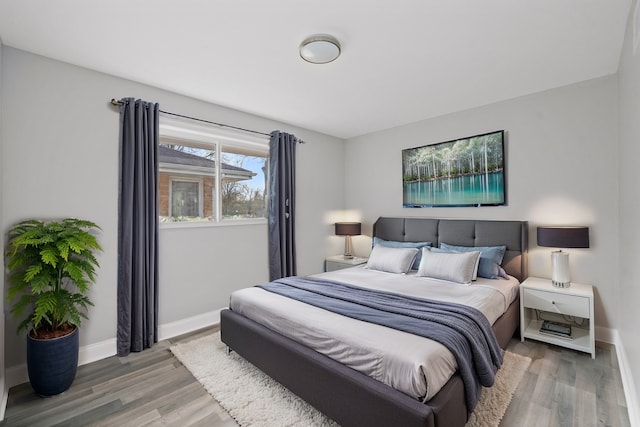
(252, 398)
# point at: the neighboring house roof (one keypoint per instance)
(179, 160)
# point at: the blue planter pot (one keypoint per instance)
(52, 363)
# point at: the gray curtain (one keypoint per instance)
(138, 227)
(282, 192)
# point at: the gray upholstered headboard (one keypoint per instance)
(461, 232)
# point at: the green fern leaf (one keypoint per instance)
(32, 272)
(42, 282)
(74, 270)
(63, 249)
(45, 304)
(49, 255)
(75, 244)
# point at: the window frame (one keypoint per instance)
(174, 130)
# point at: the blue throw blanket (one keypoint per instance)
(464, 330)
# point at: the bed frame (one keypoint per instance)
(350, 397)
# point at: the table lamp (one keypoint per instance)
(348, 229)
(562, 237)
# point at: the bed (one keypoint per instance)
(351, 397)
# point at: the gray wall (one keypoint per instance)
(561, 158)
(60, 158)
(629, 296)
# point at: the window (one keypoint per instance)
(186, 198)
(191, 186)
(243, 195)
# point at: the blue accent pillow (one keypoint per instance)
(395, 244)
(490, 258)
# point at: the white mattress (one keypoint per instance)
(414, 365)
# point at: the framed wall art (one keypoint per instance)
(464, 172)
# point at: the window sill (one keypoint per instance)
(208, 224)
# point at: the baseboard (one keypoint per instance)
(4, 395)
(101, 350)
(628, 383)
(97, 351)
(16, 375)
(607, 335)
(189, 324)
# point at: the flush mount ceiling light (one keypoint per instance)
(320, 49)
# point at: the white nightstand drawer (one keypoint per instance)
(557, 303)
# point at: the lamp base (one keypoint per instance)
(560, 284)
(560, 276)
(348, 248)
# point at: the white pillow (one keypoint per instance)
(441, 251)
(391, 260)
(454, 267)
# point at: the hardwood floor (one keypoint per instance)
(152, 388)
(567, 388)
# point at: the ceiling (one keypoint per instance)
(402, 60)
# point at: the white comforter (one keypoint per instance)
(414, 365)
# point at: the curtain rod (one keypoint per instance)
(118, 102)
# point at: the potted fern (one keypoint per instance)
(51, 267)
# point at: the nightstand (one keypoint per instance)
(540, 296)
(338, 262)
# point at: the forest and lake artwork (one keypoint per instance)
(465, 172)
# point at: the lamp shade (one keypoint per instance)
(348, 228)
(563, 237)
